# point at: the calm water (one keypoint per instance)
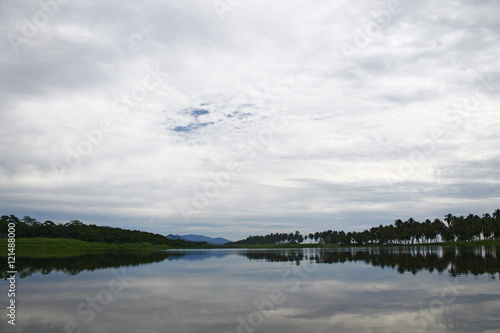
(312, 290)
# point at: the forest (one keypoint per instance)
(28, 227)
(454, 228)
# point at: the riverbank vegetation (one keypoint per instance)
(63, 246)
(50, 234)
(454, 230)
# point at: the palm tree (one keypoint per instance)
(390, 233)
(475, 226)
(448, 219)
(398, 225)
(439, 228)
(428, 230)
(487, 226)
(374, 234)
(496, 223)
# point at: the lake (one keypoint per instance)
(400, 289)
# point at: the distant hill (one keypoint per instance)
(200, 238)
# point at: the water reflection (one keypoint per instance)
(78, 263)
(455, 261)
(250, 291)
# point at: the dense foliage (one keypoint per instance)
(29, 227)
(457, 228)
(272, 239)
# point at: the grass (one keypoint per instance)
(62, 246)
(69, 247)
(34, 246)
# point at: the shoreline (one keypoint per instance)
(55, 245)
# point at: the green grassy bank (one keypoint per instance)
(62, 246)
(55, 246)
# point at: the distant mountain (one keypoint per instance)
(200, 238)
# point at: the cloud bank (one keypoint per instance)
(232, 118)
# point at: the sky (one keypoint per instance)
(235, 117)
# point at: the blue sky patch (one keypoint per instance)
(199, 112)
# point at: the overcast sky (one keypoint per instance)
(233, 118)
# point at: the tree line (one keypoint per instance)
(28, 227)
(454, 228)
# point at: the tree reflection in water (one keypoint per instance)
(455, 260)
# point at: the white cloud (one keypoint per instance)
(350, 123)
